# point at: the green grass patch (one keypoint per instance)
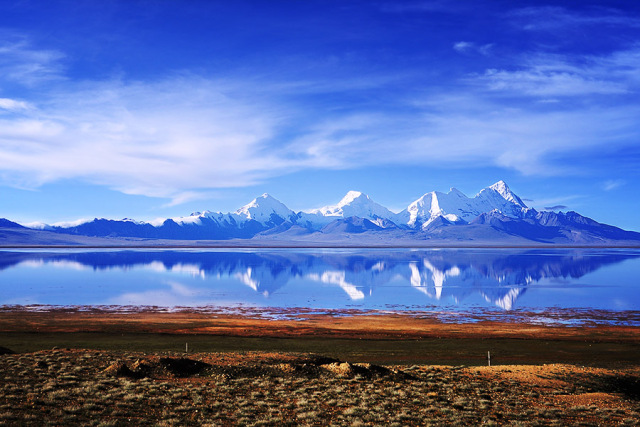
(451, 351)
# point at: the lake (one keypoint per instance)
(578, 286)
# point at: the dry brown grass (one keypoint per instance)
(269, 389)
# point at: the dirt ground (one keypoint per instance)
(339, 324)
(100, 367)
(79, 387)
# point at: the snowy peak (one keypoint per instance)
(455, 206)
(503, 190)
(501, 187)
(499, 196)
(263, 208)
(351, 197)
(355, 203)
(435, 204)
(494, 214)
(456, 192)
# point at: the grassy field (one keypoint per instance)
(439, 351)
(76, 368)
(108, 388)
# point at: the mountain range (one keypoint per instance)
(495, 215)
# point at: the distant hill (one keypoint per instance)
(494, 216)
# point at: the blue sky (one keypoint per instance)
(148, 109)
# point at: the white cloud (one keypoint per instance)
(463, 46)
(183, 136)
(421, 6)
(188, 196)
(552, 18)
(13, 105)
(559, 203)
(469, 47)
(171, 138)
(467, 128)
(612, 184)
(549, 83)
(547, 75)
(20, 63)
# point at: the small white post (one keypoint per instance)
(186, 347)
(489, 358)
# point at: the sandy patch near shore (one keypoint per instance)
(364, 326)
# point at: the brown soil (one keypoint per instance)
(333, 325)
(117, 387)
(79, 387)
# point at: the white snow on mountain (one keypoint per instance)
(501, 188)
(455, 206)
(61, 224)
(259, 209)
(193, 219)
(354, 203)
(35, 225)
(500, 197)
(262, 208)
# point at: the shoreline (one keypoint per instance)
(338, 324)
(275, 321)
(380, 338)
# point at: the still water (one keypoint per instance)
(574, 285)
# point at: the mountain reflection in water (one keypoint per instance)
(285, 278)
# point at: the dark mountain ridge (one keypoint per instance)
(494, 216)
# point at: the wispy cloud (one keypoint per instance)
(555, 208)
(469, 129)
(548, 83)
(180, 136)
(555, 203)
(558, 75)
(165, 139)
(422, 6)
(21, 63)
(612, 184)
(183, 136)
(13, 105)
(546, 18)
(189, 196)
(471, 47)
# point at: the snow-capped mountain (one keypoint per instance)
(266, 210)
(503, 190)
(455, 207)
(494, 215)
(353, 204)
